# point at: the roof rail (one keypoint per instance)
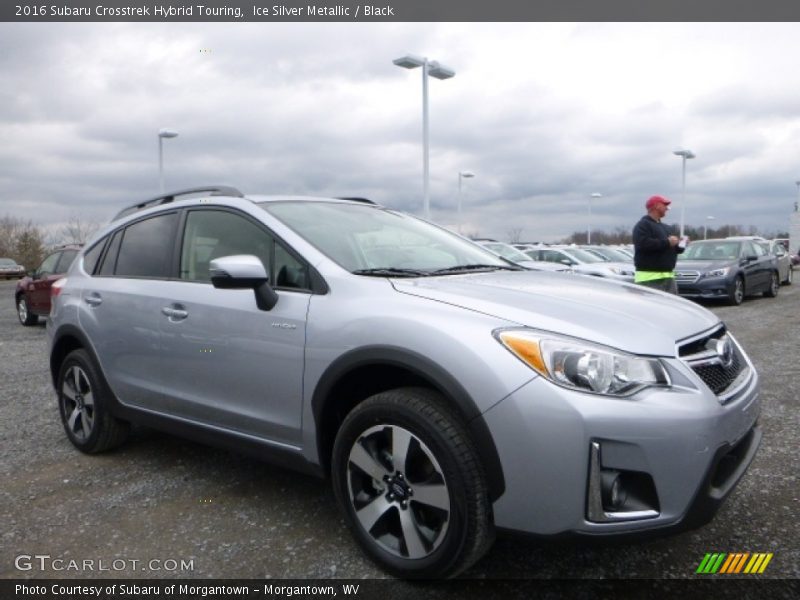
(216, 190)
(355, 199)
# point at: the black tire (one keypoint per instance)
(83, 399)
(736, 292)
(24, 314)
(774, 286)
(411, 538)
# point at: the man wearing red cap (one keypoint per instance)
(655, 248)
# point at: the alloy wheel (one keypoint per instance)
(398, 491)
(22, 309)
(78, 402)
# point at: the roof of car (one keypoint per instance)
(222, 190)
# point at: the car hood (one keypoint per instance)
(632, 318)
(704, 265)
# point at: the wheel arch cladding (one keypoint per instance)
(361, 373)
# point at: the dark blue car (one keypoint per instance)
(726, 269)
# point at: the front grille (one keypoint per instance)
(687, 276)
(717, 360)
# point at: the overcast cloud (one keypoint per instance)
(543, 114)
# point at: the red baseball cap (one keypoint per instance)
(657, 200)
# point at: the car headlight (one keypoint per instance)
(717, 272)
(582, 365)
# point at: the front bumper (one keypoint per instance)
(705, 288)
(691, 448)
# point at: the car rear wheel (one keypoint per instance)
(83, 399)
(774, 286)
(736, 293)
(414, 494)
(26, 317)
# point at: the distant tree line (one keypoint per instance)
(622, 235)
(28, 243)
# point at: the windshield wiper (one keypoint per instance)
(390, 272)
(474, 267)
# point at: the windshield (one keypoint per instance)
(611, 254)
(373, 240)
(582, 256)
(711, 251)
(506, 251)
(7, 262)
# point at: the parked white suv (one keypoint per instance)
(445, 393)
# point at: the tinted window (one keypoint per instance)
(92, 256)
(110, 257)
(48, 266)
(213, 233)
(146, 249)
(66, 260)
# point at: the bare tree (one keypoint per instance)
(515, 235)
(21, 241)
(77, 231)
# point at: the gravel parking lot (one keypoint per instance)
(162, 507)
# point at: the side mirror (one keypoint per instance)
(242, 272)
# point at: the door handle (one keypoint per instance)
(175, 313)
(93, 299)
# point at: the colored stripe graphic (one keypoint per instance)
(733, 563)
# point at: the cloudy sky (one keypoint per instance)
(543, 114)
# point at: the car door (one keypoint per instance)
(38, 290)
(760, 269)
(120, 304)
(226, 363)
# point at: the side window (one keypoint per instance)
(289, 272)
(48, 266)
(92, 256)
(66, 260)
(210, 234)
(759, 250)
(146, 248)
(110, 257)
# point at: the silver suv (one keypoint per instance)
(445, 393)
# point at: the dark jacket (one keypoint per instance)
(652, 251)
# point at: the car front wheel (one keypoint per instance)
(26, 317)
(736, 293)
(83, 399)
(414, 494)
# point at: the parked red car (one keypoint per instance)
(32, 295)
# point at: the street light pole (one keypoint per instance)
(439, 71)
(797, 204)
(705, 227)
(462, 175)
(684, 154)
(589, 225)
(163, 133)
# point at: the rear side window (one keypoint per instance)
(92, 256)
(146, 248)
(66, 260)
(110, 257)
(48, 266)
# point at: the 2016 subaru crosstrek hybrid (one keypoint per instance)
(445, 392)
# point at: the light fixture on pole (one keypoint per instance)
(462, 175)
(684, 154)
(705, 227)
(439, 71)
(163, 133)
(797, 204)
(589, 225)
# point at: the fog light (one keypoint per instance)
(614, 495)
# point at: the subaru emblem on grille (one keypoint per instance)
(725, 352)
